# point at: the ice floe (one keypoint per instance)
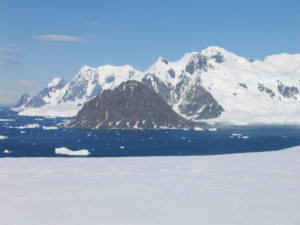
(6, 120)
(3, 137)
(66, 151)
(6, 151)
(49, 128)
(27, 126)
(212, 129)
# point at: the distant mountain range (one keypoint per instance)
(212, 85)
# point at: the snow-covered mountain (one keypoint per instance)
(60, 98)
(23, 100)
(48, 95)
(220, 86)
(212, 85)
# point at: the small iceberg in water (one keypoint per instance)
(27, 126)
(3, 137)
(66, 151)
(49, 128)
(212, 129)
(239, 136)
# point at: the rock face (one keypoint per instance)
(23, 100)
(131, 105)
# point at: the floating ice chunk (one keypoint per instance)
(28, 126)
(212, 129)
(22, 131)
(198, 129)
(49, 128)
(3, 137)
(245, 137)
(66, 151)
(6, 120)
(6, 151)
(236, 135)
(122, 147)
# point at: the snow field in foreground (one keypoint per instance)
(234, 189)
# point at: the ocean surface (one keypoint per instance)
(37, 137)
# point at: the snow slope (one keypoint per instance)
(234, 189)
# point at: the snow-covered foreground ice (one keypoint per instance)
(238, 189)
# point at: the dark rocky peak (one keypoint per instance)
(131, 105)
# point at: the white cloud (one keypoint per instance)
(59, 38)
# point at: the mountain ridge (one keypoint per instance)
(212, 85)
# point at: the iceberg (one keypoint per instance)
(66, 151)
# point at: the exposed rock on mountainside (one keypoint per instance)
(23, 100)
(131, 105)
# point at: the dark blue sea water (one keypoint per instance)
(38, 142)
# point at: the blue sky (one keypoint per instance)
(40, 40)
